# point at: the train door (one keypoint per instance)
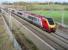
(45, 24)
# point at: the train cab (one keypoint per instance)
(49, 24)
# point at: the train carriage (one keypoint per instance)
(42, 21)
(45, 22)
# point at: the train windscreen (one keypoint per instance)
(50, 20)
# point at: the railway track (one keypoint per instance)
(17, 41)
(60, 37)
(56, 34)
(52, 40)
(56, 41)
(62, 34)
(11, 36)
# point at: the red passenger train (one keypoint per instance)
(42, 21)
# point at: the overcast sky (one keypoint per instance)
(33, 0)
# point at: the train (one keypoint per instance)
(46, 23)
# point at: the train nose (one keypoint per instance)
(52, 28)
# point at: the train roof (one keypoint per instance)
(36, 15)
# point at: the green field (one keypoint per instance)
(49, 7)
(56, 15)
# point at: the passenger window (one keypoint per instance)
(35, 19)
(30, 17)
(19, 13)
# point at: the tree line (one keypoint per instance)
(26, 3)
